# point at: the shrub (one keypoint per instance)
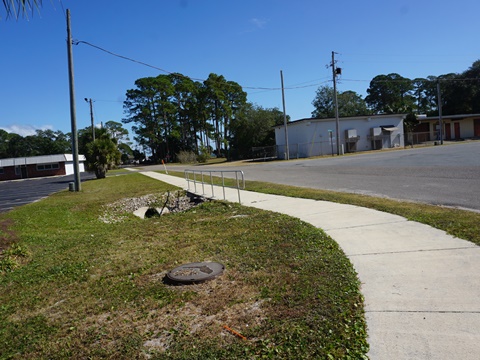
(187, 157)
(203, 154)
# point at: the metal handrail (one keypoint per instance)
(191, 176)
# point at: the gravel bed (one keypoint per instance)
(173, 201)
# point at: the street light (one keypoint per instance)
(336, 71)
(91, 117)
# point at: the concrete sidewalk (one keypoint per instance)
(421, 286)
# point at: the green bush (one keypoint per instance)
(203, 154)
(187, 157)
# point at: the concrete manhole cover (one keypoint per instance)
(195, 273)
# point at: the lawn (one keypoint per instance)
(73, 285)
(463, 224)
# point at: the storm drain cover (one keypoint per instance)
(195, 272)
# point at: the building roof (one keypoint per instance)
(362, 117)
(45, 159)
(453, 117)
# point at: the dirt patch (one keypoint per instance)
(202, 312)
(225, 302)
(7, 235)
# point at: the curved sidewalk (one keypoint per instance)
(421, 286)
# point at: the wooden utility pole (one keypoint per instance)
(440, 120)
(337, 120)
(73, 116)
(287, 151)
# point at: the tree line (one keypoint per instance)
(50, 142)
(395, 94)
(43, 142)
(111, 146)
(173, 113)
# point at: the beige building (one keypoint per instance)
(455, 127)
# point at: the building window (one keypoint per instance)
(47, 167)
(1, 170)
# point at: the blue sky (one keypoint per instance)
(246, 41)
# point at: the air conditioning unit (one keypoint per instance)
(349, 134)
(376, 131)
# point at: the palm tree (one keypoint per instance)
(102, 155)
(17, 8)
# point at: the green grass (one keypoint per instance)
(460, 223)
(215, 160)
(82, 288)
(463, 224)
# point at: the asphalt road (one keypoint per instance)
(21, 192)
(442, 175)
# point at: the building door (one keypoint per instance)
(448, 132)
(457, 130)
(23, 169)
(476, 127)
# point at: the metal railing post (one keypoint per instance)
(237, 184)
(238, 187)
(211, 182)
(195, 180)
(223, 186)
(185, 174)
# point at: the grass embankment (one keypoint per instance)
(77, 287)
(460, 223)
(463, 224)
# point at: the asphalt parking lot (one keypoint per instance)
(20, 192)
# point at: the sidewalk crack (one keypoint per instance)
(413, 251)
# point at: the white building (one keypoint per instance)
(317, 137)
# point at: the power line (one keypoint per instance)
(406, 79)
(76, 42)
(259, 88)
(307, 82)
(63, 9)
(417, 55)
(117, 101)
(287, 88)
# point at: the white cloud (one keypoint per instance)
(24, 130)
(259, 23)
(255, 24)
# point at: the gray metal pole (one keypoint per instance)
(73, 117)
(440, 120)
(285, 119)
(337, 121)
(91, 118)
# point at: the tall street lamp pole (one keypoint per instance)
(91, 117)
(335, 72)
